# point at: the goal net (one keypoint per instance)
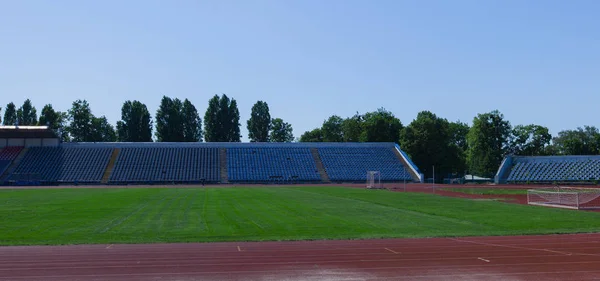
(565, 197)
(374, 180)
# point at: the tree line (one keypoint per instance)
(430, 140)
(455, 147)
(174, 121)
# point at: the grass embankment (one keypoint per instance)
(76, 216)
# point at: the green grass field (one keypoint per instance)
(487, 191)
(137, 215)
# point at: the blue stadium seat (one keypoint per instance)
(63, 164)
(166, 164)
(352, 163)
(271, 165)
(555, 169)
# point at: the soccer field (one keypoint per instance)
(147, 215)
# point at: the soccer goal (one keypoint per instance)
(565, 197)
(374, 180)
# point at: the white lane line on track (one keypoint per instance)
(513, 247)
(392, 251)
(482, 259)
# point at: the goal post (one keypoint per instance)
(565, 197)
(374, 180)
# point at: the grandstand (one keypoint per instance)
(154, 163)
(549, 169)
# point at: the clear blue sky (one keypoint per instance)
(535, 61)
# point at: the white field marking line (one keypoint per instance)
(109, 246)
(513, 247)
(391, 251)
(482, 259)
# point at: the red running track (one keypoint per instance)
(554, 257)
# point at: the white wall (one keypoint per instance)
(33, 142)
(16, 142)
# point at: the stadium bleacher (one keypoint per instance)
(256, 164)
(553, 169)
(148, 163)
(166, 164)
(62, 164)
(352, 163)
(7, 155)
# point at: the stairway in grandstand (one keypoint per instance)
(320, 167)
(413, 175)
(111, 165)
(223, 163)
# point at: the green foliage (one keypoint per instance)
(458, 133)
(489, 142)
(429, 142)
(212, 130)
(259, 123)
(234, 125)
(222, 120)
(10, 114)
(55, 120)
(135, 124)
(85, 127)
(583, 141)
(27, 114)
(380, 126)
(169, 120)
(102, 131)
(281, 131)
(530, 140)
(151, 215)
(312, 136)
(80, 125)
(352, 128)
(332, 129)
(192, 124)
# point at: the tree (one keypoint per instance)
(169, 120)
(352, 128)
(583, 141)
(259, 123)
(10, 115)
(332, 129)
(234, 127)
(281, 131)
(80, 117)
(0, 115)
(222, 120)
(489, 142)
(55, 120)
(429, 141)
(102, 131)
(458, 133)
(192, 124)
(312, 136)
(530, 140)
(381, 126)
(211, 121)
(27, 114)
(135, 124)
